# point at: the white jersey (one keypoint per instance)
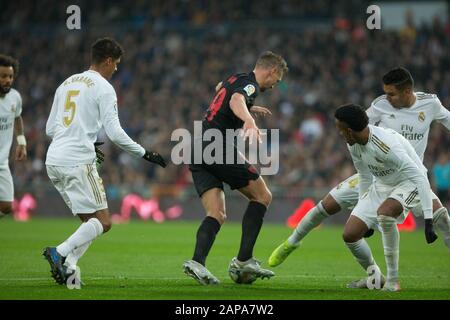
(391, 159)
(10, 108)
(413, 122)
(84, 103)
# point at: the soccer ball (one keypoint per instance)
(241, 277)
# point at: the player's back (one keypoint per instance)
(74, 120)
(397, 144)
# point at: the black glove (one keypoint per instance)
(154, 157)
(430, 235)
(369, 233)
(99, 153)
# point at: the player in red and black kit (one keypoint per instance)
(231, 108)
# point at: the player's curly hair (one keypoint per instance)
(399, 77)
(105, 48)
(8, 61)
(353, 115)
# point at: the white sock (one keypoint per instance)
(441, 221)
(87, 232)
(362, 253)
(312, 219)
(391, 240)
(73, 257)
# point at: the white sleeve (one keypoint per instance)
(51, 121)
(442, 115)
(365, 176)
(401, 161)
(374, 116)
(110, 120)
(19, 105)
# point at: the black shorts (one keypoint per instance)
(214, 175)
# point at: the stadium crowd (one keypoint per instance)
(175, 56)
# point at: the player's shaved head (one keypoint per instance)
(105, 48)
(399, 77)
(353, 116)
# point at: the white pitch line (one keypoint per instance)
(184, 278)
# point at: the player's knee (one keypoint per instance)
(330, 205)
(219, 214)
(350, 237)
(6, 208)
(265, 198)
(107, 225)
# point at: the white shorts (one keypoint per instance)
(346, 193)
(6, 185)
(81, 187)
(406, 193)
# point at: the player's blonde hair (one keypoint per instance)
(268, 59)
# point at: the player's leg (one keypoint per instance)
(343, 195)
(441, 221)
(211, 193)
(6, 192)
(388, 212)
(259, 198)
(82, 190)
(5, 208)
(362, 219)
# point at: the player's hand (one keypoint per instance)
(21, 152)
(257, 110)
(430, 235)
(154, 157)
(251, 131)
(100, 156)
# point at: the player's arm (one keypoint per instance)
(365, 176)
(21, 149)
(110, 119)
(239, 108)
(373, 115)
(50, 127)
(409, 169)
(443, 115)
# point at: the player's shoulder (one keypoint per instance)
(382, 138)
(15, 94)
(421, 96)
(380, 101)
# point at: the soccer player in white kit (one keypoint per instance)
(84, 103)
(393, 180)
(10, 120)
(405, 111)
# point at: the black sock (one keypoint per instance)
(206, 234)
(251, 224)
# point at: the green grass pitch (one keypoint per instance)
(142, 260)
